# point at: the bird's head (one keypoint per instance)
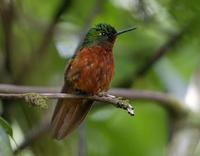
(102, 33)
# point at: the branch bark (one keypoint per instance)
(171, 103)
(10, 91)
(102, 98)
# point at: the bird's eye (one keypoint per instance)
(102, 34)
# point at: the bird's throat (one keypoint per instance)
(108, 46)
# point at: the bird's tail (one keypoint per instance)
(68, 114)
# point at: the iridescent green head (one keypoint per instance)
(102, 33)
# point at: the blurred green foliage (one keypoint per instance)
(5, 148)
(109, 131)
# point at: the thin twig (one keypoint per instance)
(142, 11)
(47, 37)
(173, 105)
(7, 16)
(159, 53)
(64, 5)
(34, 134)
(82, 139)
(88, 21)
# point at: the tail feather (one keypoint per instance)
(68, 115)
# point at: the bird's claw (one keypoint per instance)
(101, 94)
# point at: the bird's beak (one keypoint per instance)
(124, 31)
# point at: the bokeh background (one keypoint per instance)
(38, 37)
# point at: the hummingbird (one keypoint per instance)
(90, 72)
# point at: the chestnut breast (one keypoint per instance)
(91, 70)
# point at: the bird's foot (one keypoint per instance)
(80, 92)
(101, 94)
(120, 102)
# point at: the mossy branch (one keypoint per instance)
(173, 105)
(40, 99)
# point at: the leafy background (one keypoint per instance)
(107, 130)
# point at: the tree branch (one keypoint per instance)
(34, 134)
(82, 139)
(159, 53)
(171, 103)
(88, 21)
(7, 16)
(42, 49)
(117, 102)
(11, 91)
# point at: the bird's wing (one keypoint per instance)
(68, 114)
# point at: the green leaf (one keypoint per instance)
(5, 148)
(6, 126)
